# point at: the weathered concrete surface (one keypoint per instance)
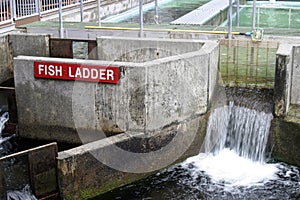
(284, 140)
(151, 95)
(30, 44)
(82, 176)
(36, 167)
(285, 137)
(143, 49)
(295, 88)
(283, 79)
(12, 45)
(6, 63)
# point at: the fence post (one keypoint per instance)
(141, 18)
(61, 29)
(99, 13)
(230, 20)
(238, 13)
(156, 12)
(81, 10)
(290, 13)
(12, 11)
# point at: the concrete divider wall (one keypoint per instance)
(12, 45)
(144, 49)
(285, 132)
(150, 96)
(82, 176)
(295, 88)
(30, 44)
(6, 64)
(283, 79)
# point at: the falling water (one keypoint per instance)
(243, 130)
(233, 165)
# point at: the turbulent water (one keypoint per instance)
(25, 194)
(233, 165)
(3, 146)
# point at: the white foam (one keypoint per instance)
(231, 169)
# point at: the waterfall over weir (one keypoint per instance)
(243, 130)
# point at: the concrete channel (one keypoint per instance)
(160, 103)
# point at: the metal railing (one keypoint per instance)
(11, 10)
(5, 12)
(289, 14)
(244, 63)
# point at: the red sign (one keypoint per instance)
(74, 72)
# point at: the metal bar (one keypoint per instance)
(81, 10)
(238, 13)
(253, 15)
(6, 88)
(141, 17)
(290, 13)
(258, 16)
(99, 12)
(247, 62)
(156, 12)
(1, 10)
(256, 72)
(61, 28)
(230, 20)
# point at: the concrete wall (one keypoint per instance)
(82, 175)
(283, 77)
(17, 44)
(30, 44)
(6, 64)
(150, 96)
(285, 137)
(295, 88)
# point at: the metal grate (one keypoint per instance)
(244, 63)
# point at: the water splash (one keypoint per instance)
(235, 148)
(25, 194)
(3, 119)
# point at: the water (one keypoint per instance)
(5, 148)
(4, 145)
(25, 194)
(275, 17)
(233, 166)
(168, 11)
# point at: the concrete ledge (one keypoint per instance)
(83, 175)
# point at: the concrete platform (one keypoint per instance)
(203, 14)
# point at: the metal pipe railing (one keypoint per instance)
(13, 9)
